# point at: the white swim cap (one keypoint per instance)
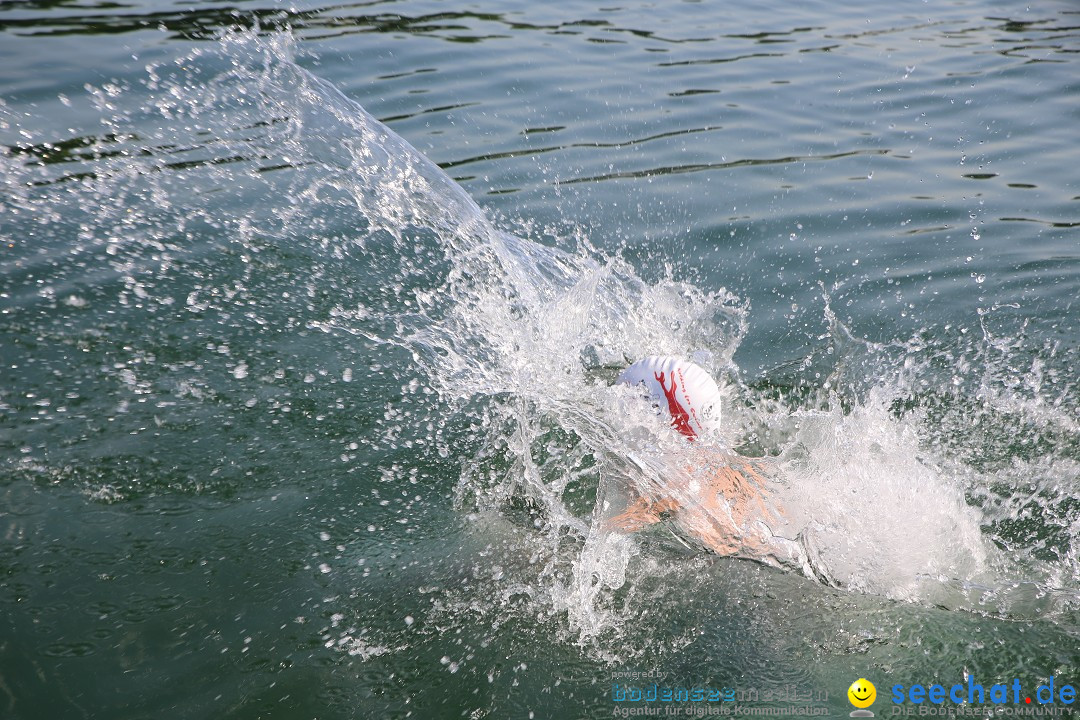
(690, 397)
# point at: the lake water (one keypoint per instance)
(310, 316)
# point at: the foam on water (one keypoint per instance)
(899, 474)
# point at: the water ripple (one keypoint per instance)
(700, 167)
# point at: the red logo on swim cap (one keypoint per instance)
(679, 417)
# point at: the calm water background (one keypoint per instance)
(228, 491)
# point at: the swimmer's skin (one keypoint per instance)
(722, 516)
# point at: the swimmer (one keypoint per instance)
(712, 493)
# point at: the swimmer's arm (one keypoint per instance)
(737, 478)
(642, 513)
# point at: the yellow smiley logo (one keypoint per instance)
(862, 693)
